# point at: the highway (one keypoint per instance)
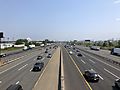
(20, 71)
(108, 72)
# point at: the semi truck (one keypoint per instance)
(115, 51)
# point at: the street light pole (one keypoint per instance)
(0, 49)
(1, 36)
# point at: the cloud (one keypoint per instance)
(116, 1)
(117, 19)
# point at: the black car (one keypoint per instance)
(91, 75)
(46, 51)
(117, 83)
(73, 48)
(49, 56)
(79, 54)
(77, 51)
(15, 87)
(39, 57)
(38, 66)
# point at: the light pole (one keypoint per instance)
(1, 36)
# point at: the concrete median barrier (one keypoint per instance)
(49, 78)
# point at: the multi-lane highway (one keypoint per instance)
(108, 72)
(20, 71)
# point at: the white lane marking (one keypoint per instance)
(15, 59)
(17, 82)
(100, 77)
(0, 81)
(111, 73)
(31, 69)
(83, 55)
(83, 61)
(42, 59)
(103, 62)
(34, 59)
(13, 66)
(22, 67)
(92, 61)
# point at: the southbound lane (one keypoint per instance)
(72, 77)
(107, 72)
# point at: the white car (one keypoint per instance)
(2, 55)
(70, 52)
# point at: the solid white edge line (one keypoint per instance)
(111, 73)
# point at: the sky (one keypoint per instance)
(60, 19)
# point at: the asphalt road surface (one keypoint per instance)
(108, 72)
(21, 72)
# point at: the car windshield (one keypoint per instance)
(37, 63)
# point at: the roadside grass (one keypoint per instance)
(11, 49)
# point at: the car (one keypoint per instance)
(117, 83)
(49, 56)
(15, 87)
(2, 55)
(71, 52)
(39, 57)
(73, 48)
(79, 54)
(38, 66)
(77, 51)
(91, 75)
(46, 51)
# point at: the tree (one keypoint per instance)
(118, 44)
(21, 41)
(105, 44)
